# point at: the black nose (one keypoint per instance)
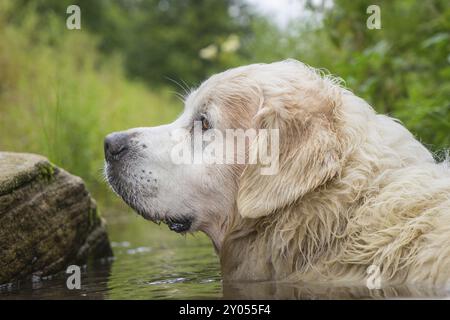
(116, 145)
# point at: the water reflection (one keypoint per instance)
(150, 262)
(94, 285)
(274, 290)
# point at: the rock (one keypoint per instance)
(48, 220)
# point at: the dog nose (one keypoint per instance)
(116, 144)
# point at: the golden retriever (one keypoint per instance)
(354, 193)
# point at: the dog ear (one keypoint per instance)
(309, 155)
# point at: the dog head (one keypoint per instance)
(285, 110)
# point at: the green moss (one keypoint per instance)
(46, 171)
(22, 169)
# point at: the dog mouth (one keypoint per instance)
(179, 225)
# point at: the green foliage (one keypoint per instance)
(61, 91)
(159, 39)
(59, 96)
(402, 69)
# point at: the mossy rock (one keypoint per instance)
(48, 219)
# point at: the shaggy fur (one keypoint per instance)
(354, 189)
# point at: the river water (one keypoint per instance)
(152, 262)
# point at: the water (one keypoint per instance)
(151, 262)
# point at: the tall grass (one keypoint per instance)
(59, 96)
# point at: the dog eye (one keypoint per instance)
(205, 123)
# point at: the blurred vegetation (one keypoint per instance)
(62, 91)
(59, 96)
(402, 69)
(159, 39)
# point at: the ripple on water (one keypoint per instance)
(151, 262)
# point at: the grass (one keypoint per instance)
(59, 96)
